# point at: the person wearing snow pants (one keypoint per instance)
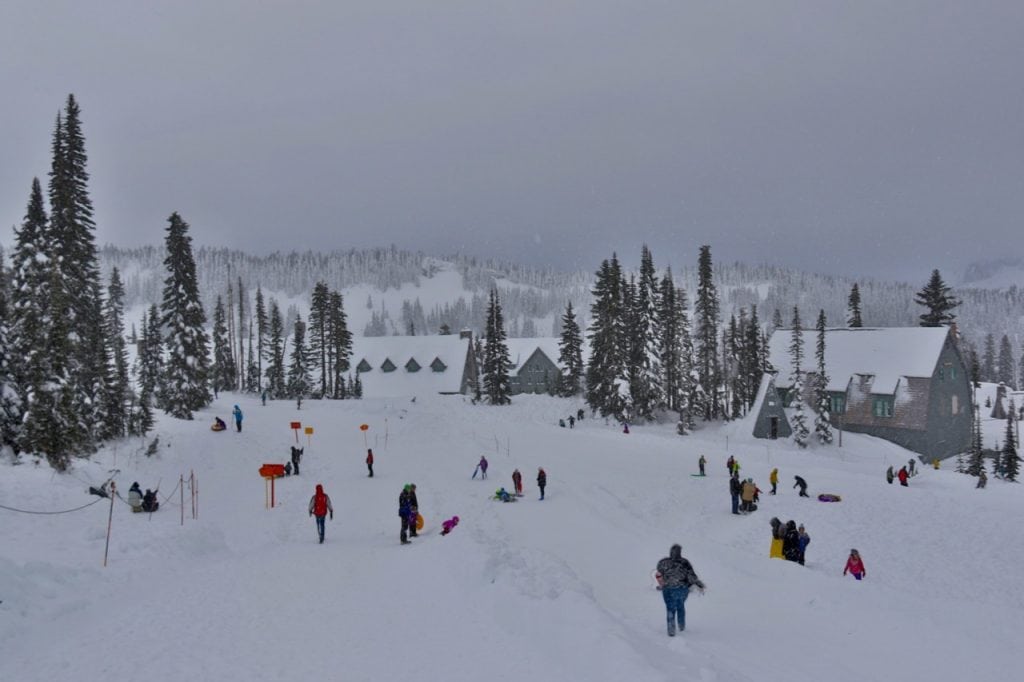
(542, 481)
(320, 506)
(369, 461)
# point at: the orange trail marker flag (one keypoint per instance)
(295, 427)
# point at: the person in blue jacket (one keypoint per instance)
(237, 412)
(803, 539)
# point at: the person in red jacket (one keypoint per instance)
(902, 475)
(320, 506)
(855, 566)
(369, 461)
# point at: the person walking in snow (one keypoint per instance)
(791, 542)
(982, 479)
(889, 475)
(404, 505)
(802, 484)
(803, 539)
(855, 565)
(320, 507)
(483, 467)
(700, 463)
(263, 397)
(735, 488)
(912, 470)
(729, 462)
(902, 475)
(675, 578)
(625, 427)
(579, 415)
(572, 421)
(237, 412)
(296, 456)
(369, 461)
(517, 482)
(773, 478)
(542, 481)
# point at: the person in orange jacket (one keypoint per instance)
(855, 566)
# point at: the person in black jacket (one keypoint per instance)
(296, 456)
(791, 542)
(675, 578)
(802, 484)
(404, 505)
(414, 510)
(542, 480)
(735, 488)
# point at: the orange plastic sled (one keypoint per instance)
(419, 522)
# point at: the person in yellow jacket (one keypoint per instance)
(775, 552)
(773, 478)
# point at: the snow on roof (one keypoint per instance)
(449, 349)
(520, 350)
(884, 353)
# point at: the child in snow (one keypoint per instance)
(237, 412)
(982, 479)
(483, 467)
(135, 496)
(296, 456)
(773, 478)
(889, 475)
(700, 463)
(218, 424)
(447, 526)
(855, 566)
(517, 482)
(791, 542)
(542, 480)
(775, 552)
(804, 539)
(503, 495)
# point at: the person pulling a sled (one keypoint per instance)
(675, 577)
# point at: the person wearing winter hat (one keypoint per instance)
(404, 505)
(675, 576)
(855, 565)
(447, 526)
(237, 412)
(320, 506)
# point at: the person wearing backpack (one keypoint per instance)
(320, 507)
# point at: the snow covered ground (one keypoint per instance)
(552, 590)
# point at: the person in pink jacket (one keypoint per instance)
(855, 566)
(448, 525)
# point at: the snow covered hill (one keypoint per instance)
(551, 590)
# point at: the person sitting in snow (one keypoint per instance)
(218, 424)
(135, 496)
(149, 501)
(503, 495)
(447, 526)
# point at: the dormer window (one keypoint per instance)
(438, 366)
(387, 365)
(412, 365)
(363, 366)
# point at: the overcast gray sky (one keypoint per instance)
(862, 137)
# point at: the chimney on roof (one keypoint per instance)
(465, 334)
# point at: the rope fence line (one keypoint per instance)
(64, 511)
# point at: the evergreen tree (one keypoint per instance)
(150, 360)
(252, 369)
(340, 343)
(976, 454)
(29, 326)
(706, 312)
(240, 371)
(853, 308)
(223, 374)
(188, 352)
(118, 393)
(939, 300)
(1010, 459)
(262, 329)
(777, 319)
(76, 264)
(319, 335)
(822, 425)
(687, 367)
(570, 356)
(988, 366)
(299, 381)
(668, 344)
(606, 368)
(1007, 371)
(796, 354)
(646, 383)
(496, 356)
(10, 402)
(753, 360)
(275, 353)
(357, 388)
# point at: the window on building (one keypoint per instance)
(412, 365)
(387, 365)
(882, 406)
(363, 366)
(838, 403)
(956, 405)
(952, 373)
(438, 366)
(942, 373)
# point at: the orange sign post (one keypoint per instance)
(295, 427)
(364, 428)
(269, 472)
(309, 435)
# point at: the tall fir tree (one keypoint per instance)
(1010, 458)
(299, 381)
(223, 374)
(340, 343)
(252, 369)
(319, 336)
(798, 420)
(29, 327)
(262, 329)
(240, 364)
(706, 314)
(753, 357)
(118, 392)
(687, 367)
(976, 453)
(606, 368)
(939, 300)
(182, 316)
(1007, 372)
(988, 361)
(647, 381)
(853, 318)
(151, 359)
(496, 356)
(823, 408)
(570, 356)
(10, 402)
(275, 353)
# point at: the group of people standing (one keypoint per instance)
(903, 474)
(789, 541)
